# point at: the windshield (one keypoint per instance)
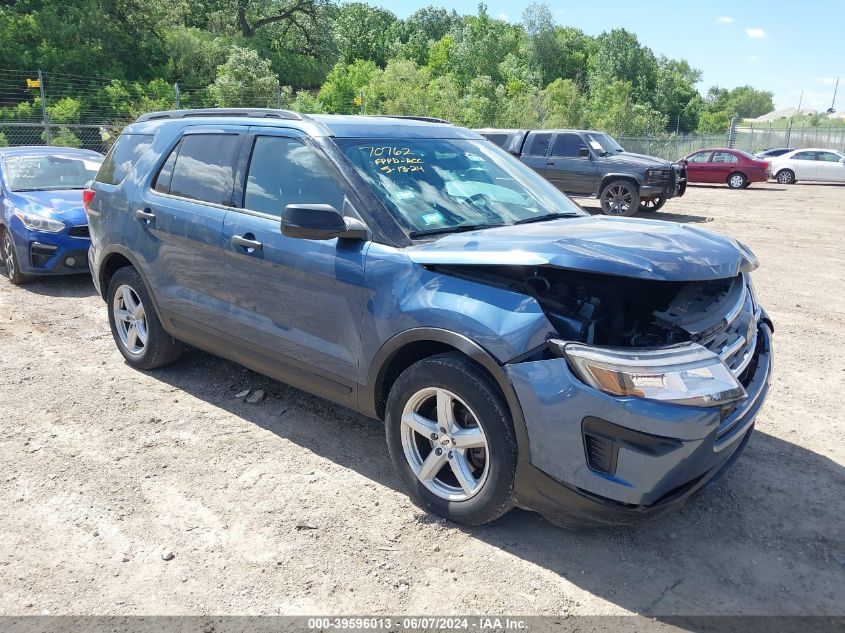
(602, 143)
(38, 173)
(442, 185)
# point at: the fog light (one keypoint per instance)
(70, 262)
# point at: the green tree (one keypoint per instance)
(564, 104)
(620, 57)
(362, 32)
(344, 83)
(306, 103)
(401, 88)
(245, 80)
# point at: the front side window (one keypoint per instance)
(830, 157)
(202, 168)
(46, 173)
(284, 171)
(440, 185)
(701, 157)
(122, 158)
(567, 145)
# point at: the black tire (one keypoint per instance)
(9, 259)
(467, 381)
(651, 205)
(737, 180)
(620, 198)
(785, 177)
(160, 348)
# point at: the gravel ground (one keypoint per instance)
(290, 506)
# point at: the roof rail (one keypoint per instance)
(260, 113)
(427, 119)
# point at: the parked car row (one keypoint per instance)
(520, 352)
(590, 164)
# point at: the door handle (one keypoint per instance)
(145, 215)
(245, 242)
(550, 162)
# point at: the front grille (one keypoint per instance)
(80, 230)
(660, 177)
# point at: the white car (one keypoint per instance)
(808, 164)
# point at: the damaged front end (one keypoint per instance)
(644, 392)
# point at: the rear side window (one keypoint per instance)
(122, 157)
(539, 145)
(284, 171)
(200, 167)
(804, 156)
(724, 157)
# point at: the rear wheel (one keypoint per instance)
(451, 439)
(652, 204)
(620, 197)
(137, 331)
(737, 180)
(9, 259)
(785, 176)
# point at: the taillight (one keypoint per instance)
(87, 197)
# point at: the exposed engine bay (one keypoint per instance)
(617, 311)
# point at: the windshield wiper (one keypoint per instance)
(452, 229)
(548, 216)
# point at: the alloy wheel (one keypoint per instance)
(130, 320)
(652, 204)
(618, 199)
(444, 444)
(8, 255)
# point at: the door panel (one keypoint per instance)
(567, 170)
(805, 165)
(182, 229)
(535, 151)
(697, 170)
(722, 165)
(299, 301)
(830, 168)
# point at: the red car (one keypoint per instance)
(732, 166)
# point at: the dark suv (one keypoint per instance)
(519, 351)
(590, 164)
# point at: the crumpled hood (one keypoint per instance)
(644, 249)
(64, 204)
(628, 158)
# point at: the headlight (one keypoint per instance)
(39, 223)
(685, 374)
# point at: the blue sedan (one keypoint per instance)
(43, 227)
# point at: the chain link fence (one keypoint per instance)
(94, 137)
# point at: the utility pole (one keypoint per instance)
(44, 116)
(176, 91)
(832, 108)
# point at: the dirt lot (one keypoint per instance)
(291, 505)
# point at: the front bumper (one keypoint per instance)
(674, 187)
(42, 253)
(662, 454)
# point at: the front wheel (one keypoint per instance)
(737, 181)
(9, 259)
(652, 204)
(620, 197)
(785, 177)
(135, 327)
(450, 437)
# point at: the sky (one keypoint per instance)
(778, 45)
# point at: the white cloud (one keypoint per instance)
(827, 81)
(725, 19)
(756, 33)
(503, 16)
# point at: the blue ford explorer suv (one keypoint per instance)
(43, 228)
(520, 352)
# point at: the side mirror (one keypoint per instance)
(583, 152)
(320, 222)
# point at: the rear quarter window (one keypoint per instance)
(122, 158)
